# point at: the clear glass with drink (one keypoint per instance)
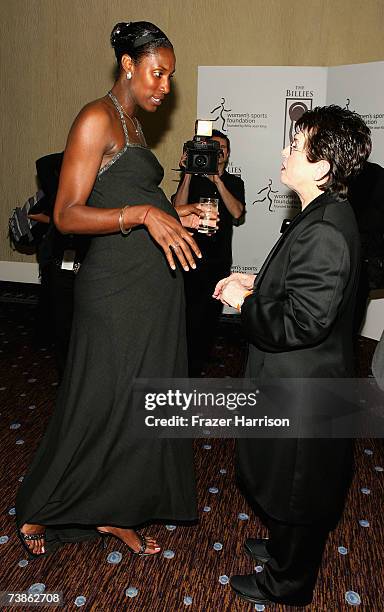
(208, 223)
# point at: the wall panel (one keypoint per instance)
(55, 56)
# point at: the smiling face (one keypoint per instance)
(151, 78)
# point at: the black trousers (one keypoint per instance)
(202, 312)
(296, 550)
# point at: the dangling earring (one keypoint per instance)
(129, 75)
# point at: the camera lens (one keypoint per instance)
(201, 160)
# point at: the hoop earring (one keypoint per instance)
(129, 75)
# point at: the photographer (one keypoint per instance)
(203, 312)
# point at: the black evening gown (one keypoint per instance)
(129, 323)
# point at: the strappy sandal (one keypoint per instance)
(140, 553)
(31, 537)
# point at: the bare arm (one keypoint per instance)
(182, 193)
(92, 138)
(234, 206)
(40, 217)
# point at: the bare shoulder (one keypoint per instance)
(93, 124)
(98, 111)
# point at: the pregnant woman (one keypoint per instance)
(90, 473)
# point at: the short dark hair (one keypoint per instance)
(136, 39)
(219, 134)
(340, 137)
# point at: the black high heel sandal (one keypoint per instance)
(31, 537)
(140, 553)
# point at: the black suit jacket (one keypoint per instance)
(299, 323)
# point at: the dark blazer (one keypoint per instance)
(299, 323)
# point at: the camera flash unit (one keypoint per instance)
(203, 127)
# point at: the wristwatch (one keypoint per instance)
(239, 305)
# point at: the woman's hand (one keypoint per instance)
(172, 237)
(189, 215)
(245, 280)
(233, 294)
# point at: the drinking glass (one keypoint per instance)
(208, 223)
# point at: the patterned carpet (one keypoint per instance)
(192, 571)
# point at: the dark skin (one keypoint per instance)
(95, 137)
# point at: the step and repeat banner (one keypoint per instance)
(257, 107)
(360, 87)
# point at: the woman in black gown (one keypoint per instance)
(90, 472)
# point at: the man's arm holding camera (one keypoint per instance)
(182, 194)
(234, 206)
(189, 214)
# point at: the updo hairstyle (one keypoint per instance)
(136, 39)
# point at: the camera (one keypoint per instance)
(202, 152)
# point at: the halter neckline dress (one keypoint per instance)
(129, 322)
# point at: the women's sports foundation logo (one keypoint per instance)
(226, 119)
(221, 113)
(287, 201)
(267, 195)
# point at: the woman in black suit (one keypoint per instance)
(298, 315)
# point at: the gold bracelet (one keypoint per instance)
(121, 222)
